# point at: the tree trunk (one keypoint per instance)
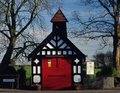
(114, 51)
(118, 51)
(7, 57)
(118, 61)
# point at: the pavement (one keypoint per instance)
(65, 91)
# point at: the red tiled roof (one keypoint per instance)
(59, 17)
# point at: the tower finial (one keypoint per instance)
(59, 4)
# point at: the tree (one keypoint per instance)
(104, 59)
(16, 17)
(104, 23)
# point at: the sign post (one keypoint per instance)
(90, 68)
(90, 72)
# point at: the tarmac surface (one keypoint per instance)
(65, 91)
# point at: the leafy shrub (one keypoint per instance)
(107, 71)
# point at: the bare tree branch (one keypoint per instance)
(16, 17)
(20, 6)
(2, 31)
(102, 26)
(103, 4)
(33, 15)
(25, 46)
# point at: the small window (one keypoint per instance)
(64, 52)
(59, 52)
(34, 69)
(48, 52)
(38, 69)
(53, 52)
(43, 52)
(70, 52)
(74, 69)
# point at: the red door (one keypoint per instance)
(56, 73)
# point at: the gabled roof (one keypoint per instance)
(59, 17)
(50, 37)
(56, 43)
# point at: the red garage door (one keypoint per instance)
(56, 73)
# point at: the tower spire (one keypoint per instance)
(59, 17)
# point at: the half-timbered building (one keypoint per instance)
(57, 62)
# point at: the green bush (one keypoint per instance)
(27, 69)
(107, 71)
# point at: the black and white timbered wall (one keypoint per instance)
(57, 46)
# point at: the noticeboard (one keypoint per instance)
(90, 68)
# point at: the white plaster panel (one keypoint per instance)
(77, 78)
(36, 79)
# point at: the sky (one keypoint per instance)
(89, 48)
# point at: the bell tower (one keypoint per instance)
(59, 23)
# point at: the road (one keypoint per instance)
(72, 91)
